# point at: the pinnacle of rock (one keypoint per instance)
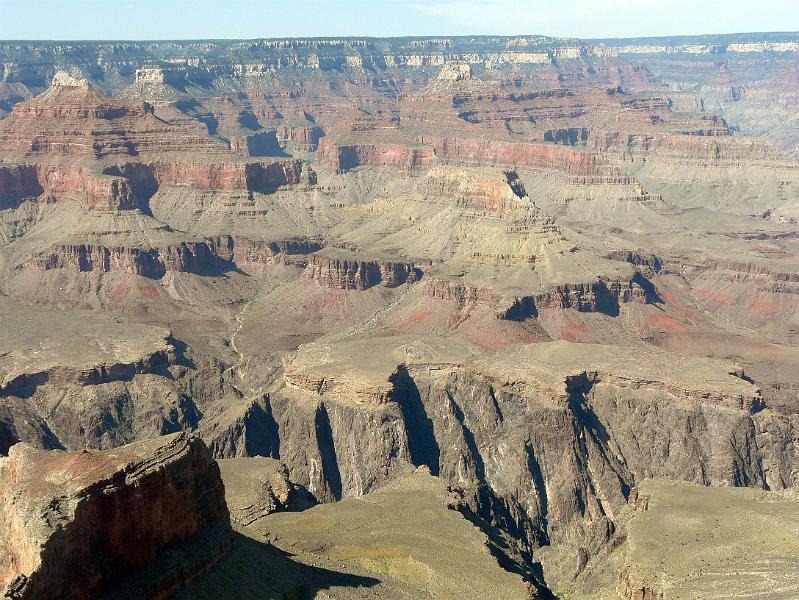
(64, 79)
(455, 71)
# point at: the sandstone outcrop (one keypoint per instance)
(77, 524)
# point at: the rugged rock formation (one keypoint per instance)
(128, 186)
(77, 524)
(409, 511)
(72, 119)
(356, 274)
(696, 147)
(254, 58)
(99, 192)
(498, 192)
(256, 487)
(598, 296)
(657, 562)
(170, 261)
(69, 382)
(246, 252)
(68, 355)
(569, 160)
(545, 439)
(192, 257)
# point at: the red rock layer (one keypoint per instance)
(342, 157)
(72, 119)
(691, 147)
(306, 137)
(77, 523)
(545, 156)
(18, 182)
(345, 157)
(126, 186)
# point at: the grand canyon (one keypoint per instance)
(438, 317)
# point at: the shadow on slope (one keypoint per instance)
(254, 570)
(218, 563)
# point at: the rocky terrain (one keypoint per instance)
(76, 524)
(529, 298)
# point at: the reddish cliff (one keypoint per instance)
(545, 156)
(128, 185)
(75, 524)
(23, 181)
(348, 156)
(73, 119)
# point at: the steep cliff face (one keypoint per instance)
(597, 296)
(90, 383)
(343, 157)
(130, 185)
(545, 440)
(499, 192)
(356, 274)
(462, 295)
(703, 147)
(247, 253)
(257, 487)
(69, 518)
(51, 182)
(187, 257)
(547, 156)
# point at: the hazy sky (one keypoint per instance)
(159, 19)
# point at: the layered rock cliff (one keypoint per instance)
(357, 274)
(77, 524)
(547, 440)
(73, 119)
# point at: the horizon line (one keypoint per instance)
(396, 37)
